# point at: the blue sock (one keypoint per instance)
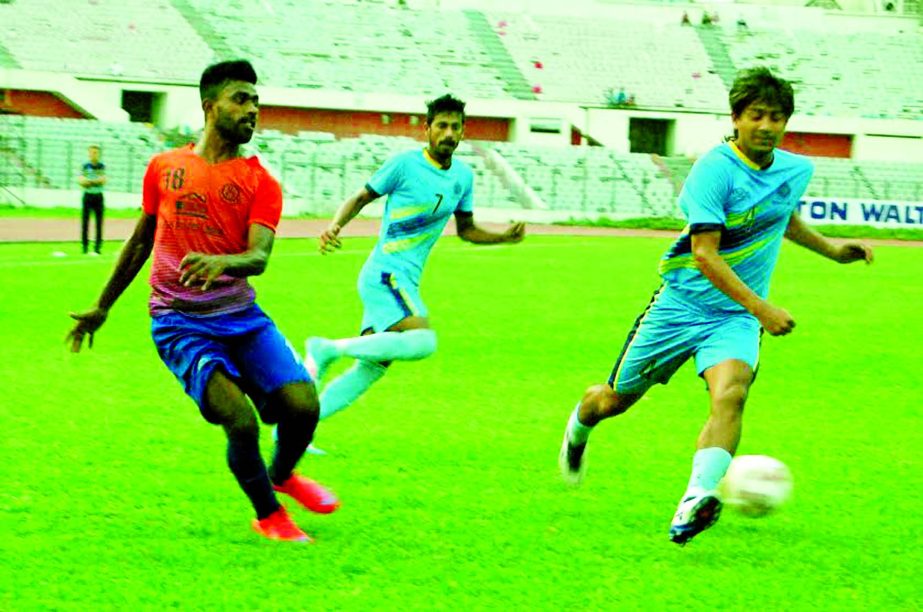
(708, 468)
(577, 432)
(348, 386)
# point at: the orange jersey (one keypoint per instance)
(205, 208)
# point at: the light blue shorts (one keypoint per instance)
(670, 331)
(387, 298)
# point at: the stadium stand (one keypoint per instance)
(137, 39)
(580, 58)
(866, 180)
(865, 74)
(48, 152)
(369, 48)
(593, 180)
(376, 48)
(316, 166)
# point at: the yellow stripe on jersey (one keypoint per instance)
(742, 218)
(409, 211)
(396, 246)
(730, 257)
(430, 159)
(750, 163)
(406, 298)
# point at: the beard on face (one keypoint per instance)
(235, 132)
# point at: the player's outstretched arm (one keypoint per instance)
(801, 233)
(469, 232)
(777, 321)
(135, 252)
(330, 237)
(202, 269)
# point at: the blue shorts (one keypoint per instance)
(670, 331)
(245, 344)
(387, 298)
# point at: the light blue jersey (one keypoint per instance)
(751, 207)
(421, 198)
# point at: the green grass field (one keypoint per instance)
(116, 494)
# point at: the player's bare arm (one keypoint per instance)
(469, 232)
(198, 268)
(135, 252)
(777, 321)
(801, 233)
(330, 237)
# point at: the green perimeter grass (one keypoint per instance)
(116, 494)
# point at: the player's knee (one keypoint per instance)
(422, 341)
(730, 398)
(604, 400)
(298, 402)
(241, 424)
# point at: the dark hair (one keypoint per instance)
(445, 104)
(760, 84)
(216, 75)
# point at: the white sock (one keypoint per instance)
(348, 386)
(408, 345)
(577, 432)
(708, 468)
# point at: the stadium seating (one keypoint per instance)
(584, 180)
(369, 48)
(47, 152)
(866, 74)
(50, 151)
(593, 180)
(140, 39)
(315, 166)
(376, 48)
(580, 58)
(846, 178)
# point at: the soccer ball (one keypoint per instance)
(756, 484)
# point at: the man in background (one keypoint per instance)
(92, 179)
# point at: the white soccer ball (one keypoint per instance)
(756, 484)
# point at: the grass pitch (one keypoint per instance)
(116, 493)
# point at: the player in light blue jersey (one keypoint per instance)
(425, 187)
(740, 199)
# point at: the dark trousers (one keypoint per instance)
(92, 203)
